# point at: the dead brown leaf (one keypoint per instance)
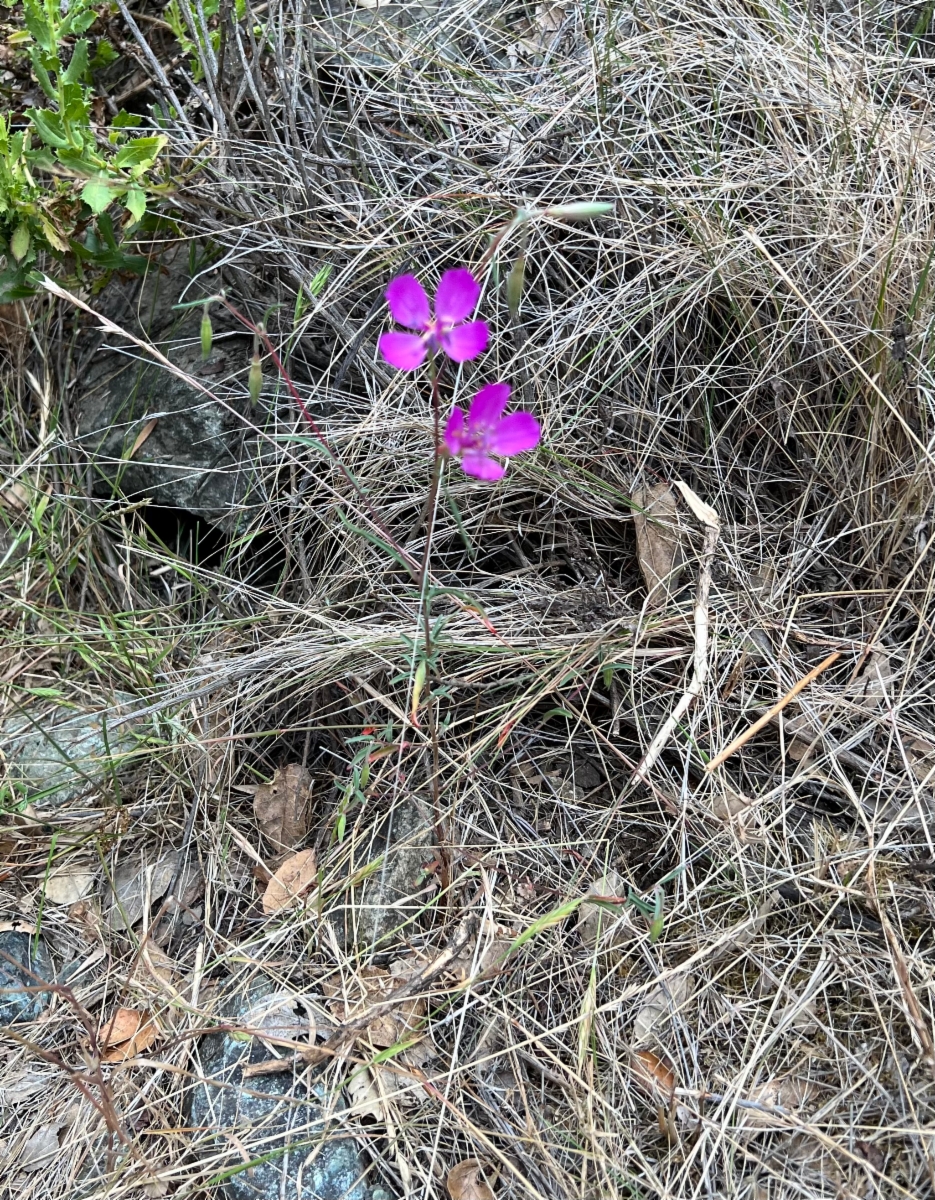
(121, 1026)
(281, 807)
(468, 1180)
(291, 883)
(661, 1005)
(364, 1094)
(14, 327)
(128, 1033)
(15, 496)
(658, 541)
(40, 1150)
(602, 925)
(777, 1096)
(921, 756)
(143, 435)
(69, 883)
(653, 1073)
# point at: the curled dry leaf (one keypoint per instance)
(470, 1180)
(481, 954)
(653, 1073)
(153, 968)
(281, 807)
(133, 882)
(874, 683)
(600, 924)
(129, 1032)
(661, 1005)
(40, 1149)
(658, 541)
(784, 1095)
(364, 1094)
(291, 883)
(69, 883)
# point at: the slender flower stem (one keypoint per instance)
(426, 615)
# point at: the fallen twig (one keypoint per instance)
(709, 518)
(755, 728)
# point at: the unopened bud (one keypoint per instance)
(514, 285)
(255, 378)
(417, 685)
(580, 211)
(207, 334)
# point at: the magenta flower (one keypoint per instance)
(485, 431)
(449, 330)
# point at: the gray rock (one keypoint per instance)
(280, 1119)
(56, 757)
(405, 843)
(197, 455)
(28, 954)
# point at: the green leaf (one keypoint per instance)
(19, 242)
(136, 203)
(207, 334)
(104, 55)
(98, 194)
(77, 22)
(45, 81)
(77, 69)
(49, 127)
(35, 21)
(319, 279)
(140, 154)
(126, 120)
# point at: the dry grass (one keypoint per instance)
(754, 320)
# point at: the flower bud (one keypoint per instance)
(514, 285)
(207, 334)
(417, 685)
(580, 211)
(255, 378)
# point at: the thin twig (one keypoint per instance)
(770, 713)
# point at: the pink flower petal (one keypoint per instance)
(408, 302)
(514, 434)
(487, 406)
(454, 431)
(465, 342)
(457, 296)
(482, 467)
(404, 351)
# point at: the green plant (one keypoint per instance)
(60, 171)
